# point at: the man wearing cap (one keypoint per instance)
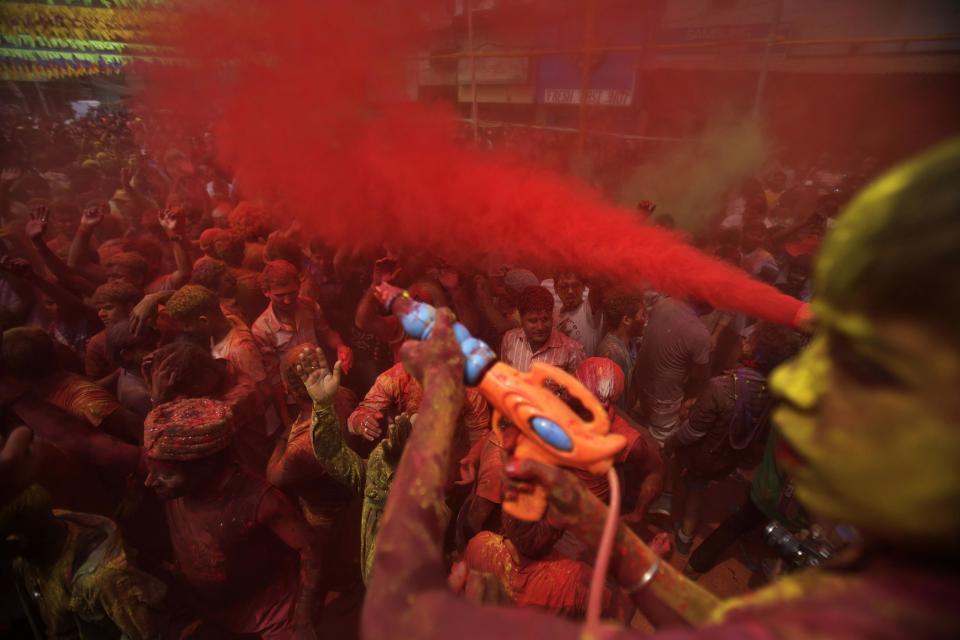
(235, 538)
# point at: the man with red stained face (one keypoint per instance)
(113, 301)
(575, 314)
(290, 321)
(537, 340)
(243, 577)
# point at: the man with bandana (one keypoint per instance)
(869, 420)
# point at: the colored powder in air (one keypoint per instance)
(308, 108)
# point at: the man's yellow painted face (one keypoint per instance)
(870, 412)
(871, 424)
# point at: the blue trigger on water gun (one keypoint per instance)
(479, 356)
(418, 323)
(551, 433)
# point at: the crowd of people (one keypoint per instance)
(219, 403)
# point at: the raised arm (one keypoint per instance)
(333, 454)
(329, 336)
(460, 299)
(485, 303)
(35, 229)
(67, 302)
(80, 247)
(369, 316)
(173, 223)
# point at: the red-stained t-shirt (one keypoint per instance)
(240, 573)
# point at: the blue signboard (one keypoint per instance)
(612, 76)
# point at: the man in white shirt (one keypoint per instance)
(573, 313)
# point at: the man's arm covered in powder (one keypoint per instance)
(286, 522)
(339, 460)
(331, 450)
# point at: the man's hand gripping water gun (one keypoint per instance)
(550, 430)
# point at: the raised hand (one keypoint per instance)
(385, 270)
(142, 313)
(321, 383)
(36, 225)
(172, 221)
(92, 216)
(345, 358)
(160, 379)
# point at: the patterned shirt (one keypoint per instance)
(559, 350)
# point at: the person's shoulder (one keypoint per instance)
(513, 335)
(263, 321)
(239, 330)
(396, 372)
(562, 340)
(609, 347)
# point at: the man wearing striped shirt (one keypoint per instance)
(537, 340)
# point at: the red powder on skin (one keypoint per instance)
(303, 114)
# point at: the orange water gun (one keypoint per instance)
(551, 431)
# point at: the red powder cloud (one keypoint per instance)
(306, 101)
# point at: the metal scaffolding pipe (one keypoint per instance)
(638, 48)
(473, 72)
(590, 8)
(765, 66)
